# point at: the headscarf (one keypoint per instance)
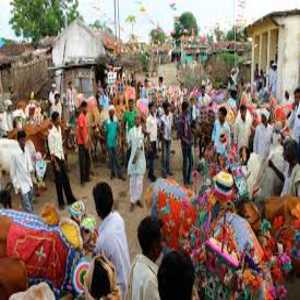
(88, 223)
(223, 184)
(49, 214)
(77, 211)
(265, 113)
(111, 107)
(41, 291)
(107, 283)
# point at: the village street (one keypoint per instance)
(150, 150)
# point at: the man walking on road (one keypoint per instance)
(55, 145)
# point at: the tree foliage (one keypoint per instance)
(219, 34)
(36, 19)
(131, 19)
(186, 24)
(101, 26)
(236, 34)
(158, 36)
(233, 34)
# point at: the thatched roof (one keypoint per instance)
(9, 53)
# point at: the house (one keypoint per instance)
(276, 37)
(74, 54)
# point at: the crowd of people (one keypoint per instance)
(134, 126)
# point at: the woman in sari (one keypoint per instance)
(137, 163)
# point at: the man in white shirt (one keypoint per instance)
(161, 88)
(56, 150)
(70, 103)
(52, 93)
(242, 128)
(143, 276)
(20, 172)
(263, 136)
(7, 118)
(151, 127)
(166, 134)
(112, 240)
(294, 119)
(56, 106)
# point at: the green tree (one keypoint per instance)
(219, 34)
(158, 36)
(186, 24)
(36, 19)
(236, 34)
(101, 26)
(131, 19)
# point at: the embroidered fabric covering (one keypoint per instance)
(171, 203)
(44, 250)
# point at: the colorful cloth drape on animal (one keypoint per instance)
(45, 252)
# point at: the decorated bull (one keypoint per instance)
(49, 248)
(228, 258)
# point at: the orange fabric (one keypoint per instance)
(82, 129)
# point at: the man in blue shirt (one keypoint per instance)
(104, 100)
(111, 128)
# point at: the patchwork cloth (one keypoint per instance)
(45, 252)
(171, 203)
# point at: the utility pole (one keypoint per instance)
(119, 23)
(115, 19)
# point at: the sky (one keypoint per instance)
(158, 12)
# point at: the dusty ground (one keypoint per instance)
(121, 196)
(120, 191)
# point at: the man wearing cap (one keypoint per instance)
(263, 136)
(272, 79)
(112, 128)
